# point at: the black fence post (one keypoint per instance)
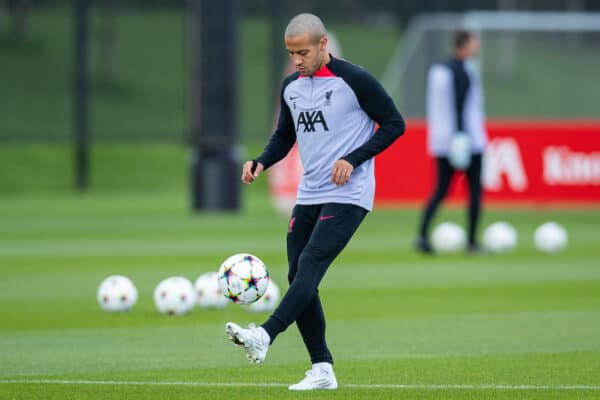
(215, 169)
(276, 46)
(81, 93)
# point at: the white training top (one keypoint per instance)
(441, 110)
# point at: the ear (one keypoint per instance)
(323, 43)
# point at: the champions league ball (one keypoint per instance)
(174, 296)
(448, 237)
(550, 237)
(117, 294)
(500, 237)
(208, 293)
(268, 302)
(243, 278)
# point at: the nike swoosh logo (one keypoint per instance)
(325, 217)
(294, 97)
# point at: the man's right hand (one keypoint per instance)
(247, 175)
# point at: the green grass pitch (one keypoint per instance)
(522, 325)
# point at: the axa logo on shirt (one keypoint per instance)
(309, 120)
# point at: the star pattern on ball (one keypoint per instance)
(242, 278)
(252, 282)
(227, 272)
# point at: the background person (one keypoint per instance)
(455, 104)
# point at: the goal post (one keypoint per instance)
(533, 64)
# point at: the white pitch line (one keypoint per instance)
(483, 386)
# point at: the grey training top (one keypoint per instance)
(333, 115)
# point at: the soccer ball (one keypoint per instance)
(448, 237)
(243, 278)
(174, 296)
(550, 237)
(268, 302)
(500, 237)
(208, 293)
(117, 294)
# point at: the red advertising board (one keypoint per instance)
(526, 162)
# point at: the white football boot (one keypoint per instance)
(320, 377)
(254, 340)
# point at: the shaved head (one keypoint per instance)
(306, 43)
(306, 23)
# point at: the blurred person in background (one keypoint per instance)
(456, 132)
(330, 107)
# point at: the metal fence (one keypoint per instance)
(139, 53)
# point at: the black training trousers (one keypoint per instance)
(316, 235)
(445, 171)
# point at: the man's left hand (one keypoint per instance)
(342, 170)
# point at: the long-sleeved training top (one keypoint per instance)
(332, 114)
(454, 103)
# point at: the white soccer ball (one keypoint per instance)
(117, 293)
(243, 278)
(550, 237)
(500, 237)
(268, 302)
(208, 293)
(174, 296)
(448, 237)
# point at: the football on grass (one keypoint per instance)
(550, 237)
(117, 294)
(174, 296)
(208, 293)
(448, 237)
(500, 237)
